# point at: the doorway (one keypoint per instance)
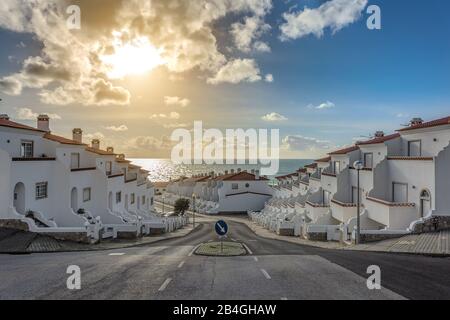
(74, 199)
(425, 203)
(19, 198)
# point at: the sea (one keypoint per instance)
(164, 169)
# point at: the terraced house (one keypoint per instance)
(63, 187)
(404, 183)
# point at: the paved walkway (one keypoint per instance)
(12, 241)
(437, 243)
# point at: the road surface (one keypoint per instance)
(272, 270)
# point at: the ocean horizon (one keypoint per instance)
(164, 169)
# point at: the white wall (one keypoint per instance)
(5, 182)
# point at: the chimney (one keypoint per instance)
(416, 121)
(379, 134)
(96, 144)
(257, 175)
(77, 135)
(121, 156)
(4, 117)
(110, 149)
(43, 122)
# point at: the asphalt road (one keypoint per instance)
(273, 270)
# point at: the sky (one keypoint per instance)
(136, 70)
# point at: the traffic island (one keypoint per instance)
(221, 249)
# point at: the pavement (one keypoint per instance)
(272, 270)
(13, 241)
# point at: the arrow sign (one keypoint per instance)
(221, 228)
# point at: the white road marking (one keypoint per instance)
(234, 240)
(247, 248)
(256, 259)
(264, 272)
(117, 254)
(181, 264)
(165, 284)
(193, 250)
(284, 299)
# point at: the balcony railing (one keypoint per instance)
(344, 204)
(23, 159)
(391, 204)
(317, 205)
(83, 169)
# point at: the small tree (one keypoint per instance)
(181, 206)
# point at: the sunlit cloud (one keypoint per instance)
(29, 114)
(176, 101)
(121, 128)
(274, 117)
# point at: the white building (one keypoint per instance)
(235, 192)
(403, 188)
(54, 185)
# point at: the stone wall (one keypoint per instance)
(128, 235)
(366, 237)
(286, 232)
(79, 237)
(435, 223)
(157, 231)
(317, 236)
(14, 224)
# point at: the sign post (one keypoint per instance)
(221, 229)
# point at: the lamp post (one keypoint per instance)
(194, 196)
(358, 165)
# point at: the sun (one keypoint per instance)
(135, 57)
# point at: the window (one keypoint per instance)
(132, 198)
(118, 197)
(143, 200)
(75, 161)
(415, 148)
(247, 185)
(108, 168)
(26, 149)
(336, 167)
(152, 201)
(235, 186)
(368, 160)
(41, 190)
(86, 194)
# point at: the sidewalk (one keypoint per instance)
(12, 241)
(433, 244)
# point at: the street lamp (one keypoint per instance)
(358, 165)
(194, 196)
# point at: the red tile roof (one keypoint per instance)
(311, 166)
(62, 140)
(12, 124)
(430, 124)
(379, 139)
(344, 151)
(100, 152)
(301, 170)
(241, 176)
(327, 159)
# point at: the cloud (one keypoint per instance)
(269, 78)
(92, 136)
(273, 117)
(302, 143)
(236, 71)
(121, 128)
(176, 101)
(28, 114)
(172, 116)
(175, 125)
(69, 68)
(245, 33)
(10, 86)
(333, 14)
(323, 106)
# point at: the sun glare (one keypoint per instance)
(136, 57)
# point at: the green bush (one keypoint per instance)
(181, 206)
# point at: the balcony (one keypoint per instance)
(342, 211)
(395, 216)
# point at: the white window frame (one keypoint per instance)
(24, 152)
(41, 190)
(87, 194)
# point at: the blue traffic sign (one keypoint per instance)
(221, 228)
